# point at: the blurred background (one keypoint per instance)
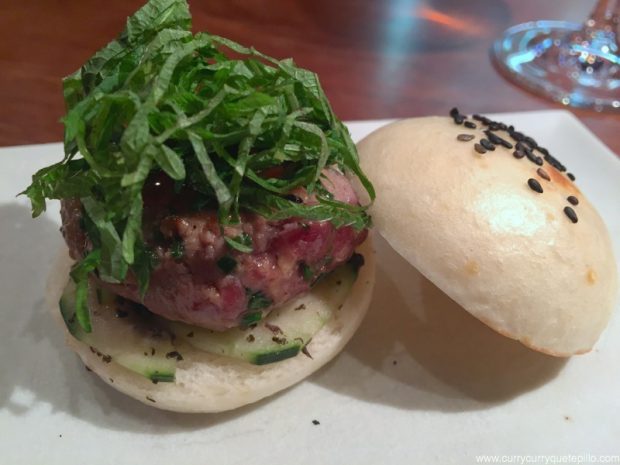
(375, 58)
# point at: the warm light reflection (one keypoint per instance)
(451, 22)
(510, 213)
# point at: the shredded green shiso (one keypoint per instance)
(159, 98)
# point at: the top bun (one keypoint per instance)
(472, 224)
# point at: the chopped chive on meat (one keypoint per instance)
(227, 264)
(177, 250)
(258, 301)
(306, 272)
(251, 318)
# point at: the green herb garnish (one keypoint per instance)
(177, 250)
(158, 377)
(242, 242)
(251, 318)
(258, 301)
(227, 264)
(159, 98)
(306, 272)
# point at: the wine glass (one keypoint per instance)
(577, 65)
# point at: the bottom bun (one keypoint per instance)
(211, 383)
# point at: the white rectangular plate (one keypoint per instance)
(420, 380)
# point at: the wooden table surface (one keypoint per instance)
(375, 58)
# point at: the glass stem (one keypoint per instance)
(605, 15)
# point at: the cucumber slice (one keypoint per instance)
(284, 332)
(129, 338)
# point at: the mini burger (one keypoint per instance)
(216, 249)
(217, 220)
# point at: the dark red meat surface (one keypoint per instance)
(189, 283)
